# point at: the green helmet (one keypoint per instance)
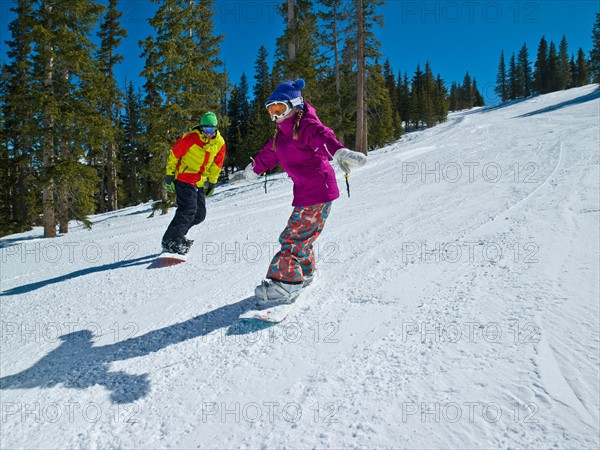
(209, 120)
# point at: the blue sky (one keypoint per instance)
(455, 36)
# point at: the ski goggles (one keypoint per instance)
(279, 110)
(209, 130)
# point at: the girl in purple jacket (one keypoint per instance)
(303, 146)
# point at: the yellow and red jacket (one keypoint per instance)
(194, 158)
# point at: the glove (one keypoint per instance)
(209, 189)
(169, 185)
(347, 159)
(249, 173)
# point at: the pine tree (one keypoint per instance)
(429, 96)
(502, 88)
(6, 180)
(260, 128)
(110, 98)
(64, 70)
(595, 53)
(564, 69)
(541, 77)
(182, 81)
(417, 101)
(524, 71)
(397, 124)
(391, 85)
(238, 112)
(133, 156)
(366, 48)
(244, 105)
(453, 101)
(583, 69)
(403, 96)
(297, 54)
(466, 97)
(515, 84)
(333, 20)
(441, 100)
(19, 200)
(347, 129)
(155, 127)
(379, 109)
(234, 136)
(573, 71)
(553, 69)
(477, 97)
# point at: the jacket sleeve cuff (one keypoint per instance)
(258, 167)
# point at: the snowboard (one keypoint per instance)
(277, 313)
(272, 314)
(166, 259)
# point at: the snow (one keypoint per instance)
(457, 306)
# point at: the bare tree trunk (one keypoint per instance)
(62, 189)
(361, 119)
(111, 174)
(48, 152)
(48, 194)
(102, 198)
(134, 192)
(291, 37)
(110, 181)
(63, 210)
(20, 207)
(165, 196)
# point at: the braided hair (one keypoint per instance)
(275, 138)
(299, 116)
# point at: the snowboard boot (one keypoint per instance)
(175, 247)
(167, 246)
(309, 279)
(272, 293)
(187, 244)
(181, 248)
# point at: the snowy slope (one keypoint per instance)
(458, 306)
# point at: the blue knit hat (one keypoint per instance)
(288, 91)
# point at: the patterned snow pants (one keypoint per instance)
(296, 259)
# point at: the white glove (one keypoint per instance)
(347, 159)
(249, 174)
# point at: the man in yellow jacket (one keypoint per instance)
(192, 172)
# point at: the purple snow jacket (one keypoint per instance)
(305, 160)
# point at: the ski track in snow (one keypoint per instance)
(453, 309)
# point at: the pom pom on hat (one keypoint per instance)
(288, 90)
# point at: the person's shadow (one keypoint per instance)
(25, 289)
(77, 364)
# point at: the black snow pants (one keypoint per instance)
(191, 210)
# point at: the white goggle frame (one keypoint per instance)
(289, 104)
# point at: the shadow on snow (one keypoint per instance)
(77, 364)
(575, 101)
(79, 273)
